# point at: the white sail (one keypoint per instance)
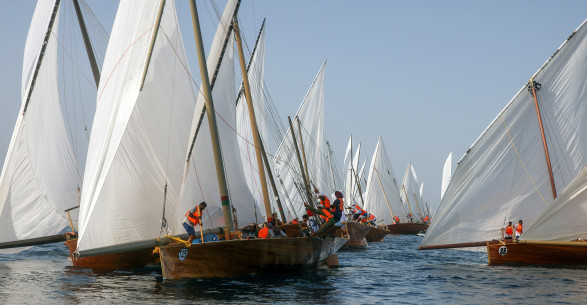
(504, 175)
(409, 193)
(200, 182)
(446, 174)
(311, 116)
(39, 177)
(381, 193)
(352, 192)
(246, 143)
(564, 219)
(139, 137)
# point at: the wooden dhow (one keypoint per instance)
(377, 234)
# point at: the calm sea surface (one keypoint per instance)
(393, 272)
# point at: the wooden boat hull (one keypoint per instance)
(376, 235)
(537, 253)
(407, 228)
(235, 258)
(117, 261)
(291, 230)
(356, 233)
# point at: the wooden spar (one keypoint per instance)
(87, 43)
(34, 241)
(41, 55)
(220, 173)
(256, 137)
(295, 142)
(553, 187)
(449, 246)
(330, 163)
(359, 187)
(418, 206)
(273, 186)
(382, 189)
(303, 153)
(152, 43)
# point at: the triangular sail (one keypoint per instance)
(139, 137)
(39, 177)
(446, 175)
(409, 193)
(381, 193)
(311, 116)
(504, 175)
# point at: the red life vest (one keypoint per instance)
(263, 233)
(519, 228)
(509, 230)
(193, 220)
(371, 217)
(356, 208)
(397, 219)
(426, 219)
(328, 214)
(325, 202)
(294, 221)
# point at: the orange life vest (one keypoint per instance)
(519, 228)
(325, 202)
(263, 233)
(340, 206)
(193, 220)
(509, 230)
(328, 214)
(397, 219)
(294, 221)
(371, 217)
(426, 219)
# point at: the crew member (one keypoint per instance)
(337, 206)
(328, 218)
(396, 218)
(509, 231)
(192, 218)
(519, 230)
(264, 232)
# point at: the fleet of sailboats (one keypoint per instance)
(160, 143)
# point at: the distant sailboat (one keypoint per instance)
(535, 147)
(446, 175)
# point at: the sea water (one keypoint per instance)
(391, 272)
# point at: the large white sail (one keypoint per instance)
(39, 178)
(352, 191)
(504, 175)
(446, 174)
(381, 194)
(139, 137)
(564, 219)
(311, 116)
(247, 148)
(409, 193)
(200, 183)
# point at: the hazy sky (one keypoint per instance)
(427, 76)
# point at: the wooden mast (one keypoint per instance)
(534, 89)
(87, 43)
(256, 137)
(152, 43)
(330, 163)
(295, 142)
(303, 153)
(220, 173)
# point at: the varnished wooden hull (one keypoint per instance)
(407, 228)
(537, 253)
(117, 261)
(376, 235)
(357, 234)
(291, 230)
(235, 258)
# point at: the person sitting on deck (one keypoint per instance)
(306, 229)
(264, 232)
(251, 231)
(192, 218)
(396, 219)
(509, 231)
(312, 224)
(276, 232)
(519, 230)
(410, 218)
(426, 219)
(326, 216)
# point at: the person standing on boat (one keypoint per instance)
(325, 214)
(192, 218)
(519, 230)
(509, 231)
(337, 206)
(396, 219)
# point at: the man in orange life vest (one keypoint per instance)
(326, 216)
(509, 231)
(519, 230)
(192, 218)
(396, 219)
(337, 206)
